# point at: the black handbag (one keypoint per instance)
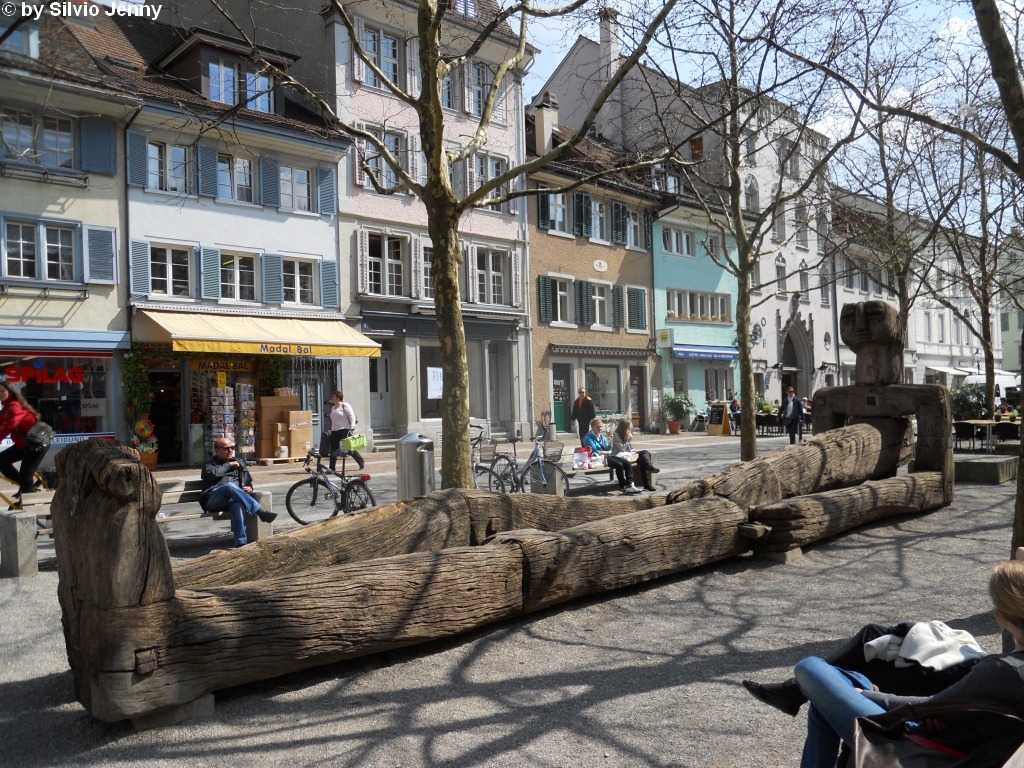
(882, 741)
(39, 437)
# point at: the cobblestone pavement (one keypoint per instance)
(647, 676)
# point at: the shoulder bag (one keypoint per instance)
(38, 437)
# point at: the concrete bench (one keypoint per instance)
(19, 528)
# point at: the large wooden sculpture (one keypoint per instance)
(146, 641)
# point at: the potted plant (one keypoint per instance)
(145, 442)
(678, 406)
(694, 316)
(725, 318)
(703, 317)
(1013, 416)
(671, 315)
(968, 402)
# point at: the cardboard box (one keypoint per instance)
(280, 426)
(298, 419)
(265, 449)
(300, 440)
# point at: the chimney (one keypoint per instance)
(609, 41)
(545, 121)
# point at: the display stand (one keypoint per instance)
(718, 419)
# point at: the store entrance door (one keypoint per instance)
(561, 391)
(380, 391)
(165, 413)
(637, 399)
(313, 391)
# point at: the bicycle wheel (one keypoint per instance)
(310, 501)
(503, 467)
(357, 496)
(554, 483)
(485, 479)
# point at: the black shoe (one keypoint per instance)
(785, 697)
(361, 465)
(650, 488)
(655, 470)
(266, 517)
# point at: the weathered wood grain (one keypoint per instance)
(872, 329)
(624, 550)
(799, 521)
(170, 653)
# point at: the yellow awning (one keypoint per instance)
(247, 335)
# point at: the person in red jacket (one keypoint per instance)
(16, 419)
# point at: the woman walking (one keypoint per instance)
(16, 419)
(343, 422)
(622, 444)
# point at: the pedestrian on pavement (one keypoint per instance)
(227, 484)
(343, 423)
(792, 415)
(583, 412)
(16, 419)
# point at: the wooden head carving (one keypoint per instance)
(872, 330)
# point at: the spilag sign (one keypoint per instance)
(42, 375)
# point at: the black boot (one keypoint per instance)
(786, 697)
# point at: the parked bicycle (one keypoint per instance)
(482, 457)
(320, 497)
(540, 474)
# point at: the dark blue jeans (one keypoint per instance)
(236, 501)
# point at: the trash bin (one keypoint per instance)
(414, 466)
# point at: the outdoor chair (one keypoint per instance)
(1007, 431)
(963, 432)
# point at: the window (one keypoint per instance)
(298, 282)
(169, 271)
(486, 168)
(258, 92)
(237, 277)
(55, 137)
(677, 241)
(694, 305)
(927, 326)
(750, 145)
(60, 254)
(805, 281)
(382, 172)
(633, 229)
(561, 307)
(1004, 321)
(477, 89)
(166, 167)
(19, 134)
(750, 197)
(821, 227)
(428, 273)
(21, 250)
(598, 220)
(296, 188)
(958, 334)
(222, 82)
(696, 148)
(672, 184)
(848, 271)
(711, 246)
(57, 150)
(779, 226)
(382, 49)
(800, 223)
(780, 274)
(755, 274)
(24, 41)
(558, 212)
(448, 92)
(789, 158)
(386, 264)
(393, 143)
(940, 323)
(865, 282)
(823, 278)
(466, 8)
(491, 272)
(600, 298)
(234, 178)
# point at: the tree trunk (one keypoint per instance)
(748, 393)
(990, 364)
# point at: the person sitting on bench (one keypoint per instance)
(227, 484)
(599, 446)
(622, 444)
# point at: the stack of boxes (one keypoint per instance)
(284, 431)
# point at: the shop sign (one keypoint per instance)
(68, 439)
(97, 407)
(286, 349)
(42, 374)
(234, 366)
(666, 338)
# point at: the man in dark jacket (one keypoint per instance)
(583, 413)
(792, 411)
(227, 484)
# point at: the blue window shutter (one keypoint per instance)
(139, 256)
(100, 256)
(210, 273)
(207, 156)
(273, 279)
(270, 182)
(326, 201)
(99, 145)
(329, 295)
(136, 159)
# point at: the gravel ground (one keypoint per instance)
(648, 676)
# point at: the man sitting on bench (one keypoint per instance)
(227, 484)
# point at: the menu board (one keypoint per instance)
(717, 414)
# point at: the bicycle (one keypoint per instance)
(538, 475)
(319, 498)
(484, 476)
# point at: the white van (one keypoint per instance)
(1007, 385)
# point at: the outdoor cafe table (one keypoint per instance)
(988, 424)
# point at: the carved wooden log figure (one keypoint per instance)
(144, 638)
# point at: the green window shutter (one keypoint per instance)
(648, 230)
(544, 298)
(543, 209)
(588, 220)
(618, 316)
(577, 288)
(577, 214)
(637, 301)
(618, 223)
(586, 301)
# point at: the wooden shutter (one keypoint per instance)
(206, 155)
(101, 256)
(209, 270)
(414, 158)
(272, 267)
(417, 268)
(327, 201)
(648, 230)
(270, 182)
(513, 204)
(618, 314)
(136, 149)
(412, 67)
(620, 223)
(472, 294)
(543, 209)
(330, 296)
(358, 65)
(584, 291)
(581, 219)
(98, 143)
(498, 113)
(470, 174)
(517, 278)
(544, 298)
(467, 91)
(637, 305)
(139, 281)
(358, 158)
(363, 260)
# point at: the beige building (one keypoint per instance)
(591, 285)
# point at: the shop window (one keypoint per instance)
(298, 282)
(296, 188)
(234, 179)
(167, 167)
(386, 265)
(603, 387)
(492, 276)
(430, 358)
(238, 277)
(169, 271)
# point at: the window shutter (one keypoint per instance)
(207, 156)
(412, 67)
(577, 287)
(358, 157)
(414, 158)
(587, 210)
(584, 302)
(498, 113)
(544, 298)
(517, 279)
(642, 304)
(637, 301)
(98, 145)
(543, 209)
(470, 175)
(327, 201)
(270, 182)
(136, 148)
(620, 222)
(272, 266)
(363, 260)
(101, 256)
(648, 230)
(358, 65)
(209, 283)
(467, 91)
(139, 281)
(513, 204)
(471, 277)
(330, 296)
(618, 318)
(417, 268)
(577, 213)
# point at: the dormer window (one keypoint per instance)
(466, 8)
(23, 41)
(222, 82)
(258, 92)
(230, 82)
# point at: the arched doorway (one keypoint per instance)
(797, 362)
